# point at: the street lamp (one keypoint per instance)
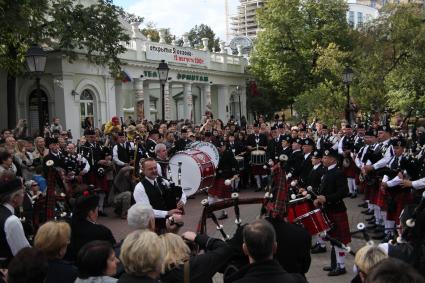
(239, 92)
(163, 77)
(36, 62)
(347, 78)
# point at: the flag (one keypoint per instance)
(253, 88)
(125, 78)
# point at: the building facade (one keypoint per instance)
(199, 80)
(244, 23)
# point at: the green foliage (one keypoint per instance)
(198, 32)
(94, 30)
(151, 30)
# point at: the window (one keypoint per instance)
(351, 18)
(373, 3)
(359, 19)
(87, 109)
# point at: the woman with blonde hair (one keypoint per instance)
(199, 268)
(366, 258)
(142, 255)
(53, 238)
(24, 159)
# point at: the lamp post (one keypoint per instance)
(238, 91)
(347, 78)
(163, 77)
(36, 62)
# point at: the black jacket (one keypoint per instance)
(305, 169)
(203, 266)
(335, 188)
(267, 271)
(294, 163)
(293, 246)
(61, 271)
(274, 149)
(315, 177)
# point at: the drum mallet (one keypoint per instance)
(235, 198)
(362, 228)
(219, 227)
(228, 182)
(412, 221)
(310, 190)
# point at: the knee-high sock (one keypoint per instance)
(101, 200)
(318, 240)
(352, 185)
(212, 199)
(235, 184)
(389, 226)
(340, 257)
(378, 216)
(258, 180)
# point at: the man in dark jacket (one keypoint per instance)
(260, 245)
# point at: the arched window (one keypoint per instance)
(87, 109)
(38, 111)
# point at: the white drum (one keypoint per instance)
(197, 170)
(209, 149)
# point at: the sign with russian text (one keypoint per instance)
(177, 54)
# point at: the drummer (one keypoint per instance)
(183, 141)
(227, 169)
(258, 141)
(236, 148)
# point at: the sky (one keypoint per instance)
(181, 15)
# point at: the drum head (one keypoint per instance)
(190, 172)
(210, 150)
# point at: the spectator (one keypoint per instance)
(21, 129)
(53, 238)
(96, 263)
(29, 266)
(201, 267)
(56, 126)
(259, 244)
(366, 258)
(141, 216)
(84, 228)
(87, 123)
(392, 270)
(142, 255)
(24, 159)
(6, 162)
(122, 189)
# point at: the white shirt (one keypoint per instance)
(140, 196)
(331, 167)
(419, 184)
(387, 157)
(115, 153)
(14, 231)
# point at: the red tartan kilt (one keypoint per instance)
(362, 189)
(219, 189)
(402, 199)
(358, 181)
(258, 170)
(98, 182)
(373, 193)
(350, 171)
(340, 228)
(381, 199)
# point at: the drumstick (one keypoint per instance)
(228, 182)
(235, 198)
(219, 227)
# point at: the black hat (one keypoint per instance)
(317, 154)
(360, 126)
(184, 131)
(256, 125)
(153, 132)
(10, 186)
(121, 134)
(287, 138)
(89, 132)
(280, 126)
(384, 128)
(298, 141)
(348, 126)
(331, 152)
(207, 134)
(308, 141)
(371, 132)
(273, 128)
(398, 142)
(51, 140)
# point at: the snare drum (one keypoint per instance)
(197, 170)
(314, 221)
(241, 162)
(258, 157)
(298, 208)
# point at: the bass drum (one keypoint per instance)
(209, 149)
(197, 170)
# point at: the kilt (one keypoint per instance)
(402, 197)
(350, 171)
(258, 170)
(381, 198)
(372, 192)
(341, 228)
(98, 182)
(219, 189)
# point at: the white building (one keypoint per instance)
(244, 23)
(360, 12)
(198, 81)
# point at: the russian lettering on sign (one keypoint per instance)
(176, 54)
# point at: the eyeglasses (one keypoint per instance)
(34, 185)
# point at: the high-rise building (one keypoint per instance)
(244, 23)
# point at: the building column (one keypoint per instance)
(243, 101)
(207, 99)
(147, 100)
(167, 101)
(139, 99)
(223, 103)
(188, 103)
(110, 103)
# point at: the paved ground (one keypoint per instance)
(249, 213)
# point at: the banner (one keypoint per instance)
(175, 54)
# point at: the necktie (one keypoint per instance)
(155, 184)
(394, 165)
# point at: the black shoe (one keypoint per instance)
(353, 195)
(318, 250)
(365, 211)
(102, 214)
(371, 218)
(315, 245)
(371, 222)
(371, 226)
(337, 271)
(369, 212)
(328, 268)
(379, 228)
(364, 205)
(258, 189)
(349, 195)
(378, 236)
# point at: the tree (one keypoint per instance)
(292, 34)
(94, 30)
(203, 31)
(152, 31)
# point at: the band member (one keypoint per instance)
(183, 141)
(275, 146)
(76, 165)
(151, 143)
(153, 190)
(139, 153)
(257, 141)
(348, 165)
(55, 154)
(296, 158)
(162, 161)
(333, 189)
(238, 150)
(306, 165)
(122, 152)
(323, 142)
(227, 169)
(12, 236)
